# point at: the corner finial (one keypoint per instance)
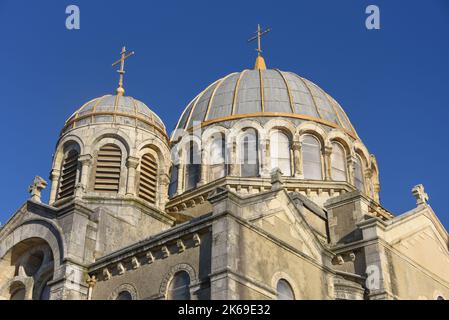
(36, 187)
(260, 61)
(120, 90)
(421, 196)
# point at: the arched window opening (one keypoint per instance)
(109, 162)
(69, 174)
(193, 166)
(440, 298)
(338, 161)
(284, 290)
(249, 154)
(148, 178)
(280, 152)
(311, 158)
(217, 156)
(173, 187)
(124, 295)
(358, 174)
(179, 288)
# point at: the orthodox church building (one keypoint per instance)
(263, 191)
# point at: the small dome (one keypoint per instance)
(115, 109)
(256, 93)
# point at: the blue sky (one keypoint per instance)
(393, 83)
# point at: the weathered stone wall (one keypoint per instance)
(151, 280)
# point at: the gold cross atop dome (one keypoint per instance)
(121, 61)
(260, 62)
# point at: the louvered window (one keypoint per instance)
(107, 176)
(148, 178)
(68, 175)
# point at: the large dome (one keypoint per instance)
(270, 93)
(115, 109)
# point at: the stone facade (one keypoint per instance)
(114, 230)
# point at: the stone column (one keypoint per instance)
(181, 166)
(327, 163)
(204, 168)
(265, 158)
(233, 161)
(131, 163)
(351, 163)
(376, 191)
(368, 175)
(85, 161)
(297, 159)
(54, 177)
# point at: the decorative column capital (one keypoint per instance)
(54, 174)
(296, 145)
(327, 150)
(91, 281)
(132, 162)
(85, 159)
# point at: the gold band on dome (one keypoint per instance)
(313, 98)
(196, 103)
(236, 92)
(333, 108)
(211, 100)
(275, 114)
(290, 97)
(262, 92)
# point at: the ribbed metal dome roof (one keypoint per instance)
(255, 93)
(115, 109)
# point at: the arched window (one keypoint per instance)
(249, 154)
(358, 174)
(193, 166)
(217, 156)
(124, 295)
(173, 187)
(440, 298)
(311, 158)
(284, 291)
(148, 178)
(338, 161)
(280, 152)
(69, 174)
(179, 288)
(107, 175)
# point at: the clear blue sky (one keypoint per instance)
(393, 83)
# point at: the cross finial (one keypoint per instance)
(421, 196)
(260, 62)
(121, 61)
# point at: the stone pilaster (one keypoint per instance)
(351, 160)
(131, 163)
(204, 171)
(86, 163)
(297, 159)
(265, 158)
(328, 163)
(54, 177)
(233, 163)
